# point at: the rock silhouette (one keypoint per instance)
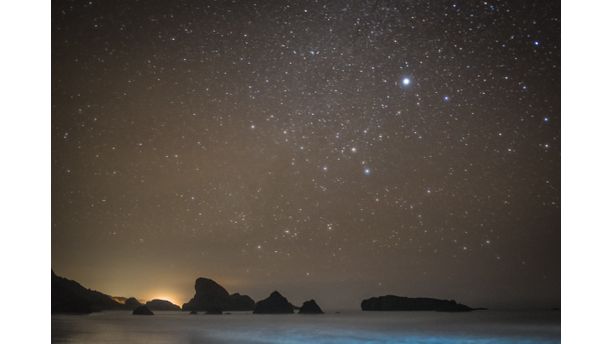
(68, 296)
(210, 296)
(399, 303)
(310, 307)
(162, 305)
(239, 302)
(120, 299)
(142, 310)
(132, 303)
(274, 304)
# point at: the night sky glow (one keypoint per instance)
(327, 149)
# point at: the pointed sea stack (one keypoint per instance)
(142, 310)
(310, 307)
(274, 304)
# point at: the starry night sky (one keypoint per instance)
(333, 150)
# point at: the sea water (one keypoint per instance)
(345, 327)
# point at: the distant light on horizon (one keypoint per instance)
(165, 296)
(251, 143)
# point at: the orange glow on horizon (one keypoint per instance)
(166, 296)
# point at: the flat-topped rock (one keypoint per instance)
(400, 303)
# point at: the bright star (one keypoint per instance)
(405, 81)
(546, 119)
(536, 43)
(446, 98)
(367, 171)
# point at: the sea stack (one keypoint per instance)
(310, 307)
(399, 303)
(274, 304)
(210, 296)
(142, 310)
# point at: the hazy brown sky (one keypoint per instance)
(332, 150)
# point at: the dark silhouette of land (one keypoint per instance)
(68, 296)
(142, 310)
(274, 304)
(310, 307)
(132, 303)
(210, 296)
(162, 305)
(400, 303)
(214, 311)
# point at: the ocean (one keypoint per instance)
(345, 327)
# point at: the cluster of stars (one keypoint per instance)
(299, 140)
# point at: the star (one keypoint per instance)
(243, 134)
